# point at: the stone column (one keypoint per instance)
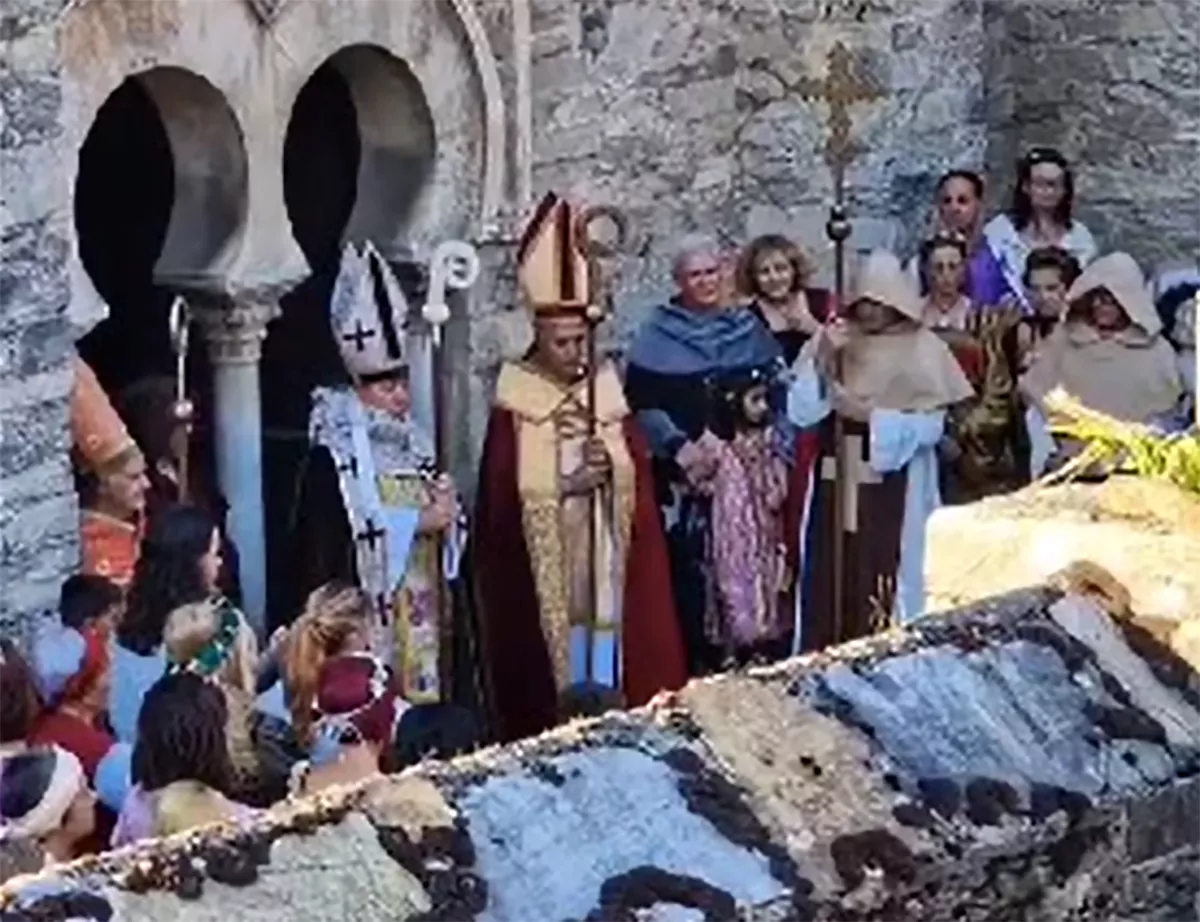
(234, 330)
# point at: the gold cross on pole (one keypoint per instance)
(843, 85)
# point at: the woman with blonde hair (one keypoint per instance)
(212, 639)
(346, 707)
(775, 273)
(336, 621)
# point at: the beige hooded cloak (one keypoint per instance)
(907, 368)
(1131, 375)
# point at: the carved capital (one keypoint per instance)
(234, 328)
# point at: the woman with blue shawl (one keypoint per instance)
(681, 360)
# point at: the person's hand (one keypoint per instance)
(441, 508)
(848, 406)
(836, 335)
(276, 641)
(595, 457)
(698, 461)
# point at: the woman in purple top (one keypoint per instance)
(960, 212)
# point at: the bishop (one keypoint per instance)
(570, 611)
(370, 510)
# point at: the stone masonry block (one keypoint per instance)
(32, 283)
(31, 435)
(31, 107)
(1168, 821)
(38, 347)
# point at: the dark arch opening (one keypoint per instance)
(321, 153)
(160, 189)
(123, 198)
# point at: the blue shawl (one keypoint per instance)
(676, 340)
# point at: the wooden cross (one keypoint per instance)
(843, 85)
(856, 473)
(359, 337)
(371, 534)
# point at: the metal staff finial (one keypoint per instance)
(179, 326)
(454, 266)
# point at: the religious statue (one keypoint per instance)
(374, 509)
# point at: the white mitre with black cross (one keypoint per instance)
(368, 314)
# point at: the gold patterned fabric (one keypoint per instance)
(985, 429)
(551, 426)
(420, 605)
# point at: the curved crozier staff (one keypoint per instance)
(599, 308)
(453, 267)
(179, 325)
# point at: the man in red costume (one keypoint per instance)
(540, 478)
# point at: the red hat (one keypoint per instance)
(355, 693)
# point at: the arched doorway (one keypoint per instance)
(159, 206)
(358, 154)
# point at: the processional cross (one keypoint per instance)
(843, 85)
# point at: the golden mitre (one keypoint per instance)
(551, 268)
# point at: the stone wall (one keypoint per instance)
(666, 109)
(1115, 84)
(38, 519)
(684, 113)
(1026, 758)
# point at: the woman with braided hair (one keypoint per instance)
(181, 762)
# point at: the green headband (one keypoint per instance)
(216, 652)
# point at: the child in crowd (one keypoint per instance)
(45, 799)
(213, 640)
(181, 762)
(88, 601)
(1049, 274)
(749, 553)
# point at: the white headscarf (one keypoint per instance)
(66, 781)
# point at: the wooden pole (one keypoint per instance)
(838, 230)
(594, 316)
